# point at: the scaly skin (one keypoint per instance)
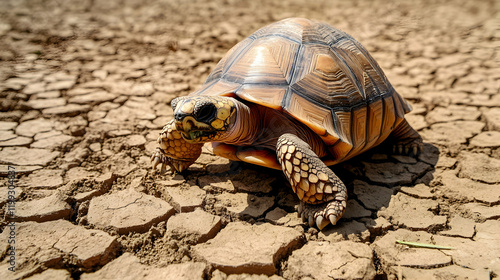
(174, 151)
(323, 195)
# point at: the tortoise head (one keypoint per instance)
(203, 118)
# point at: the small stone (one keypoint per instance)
(479, 167)
(487, 139)
(25, 156)
(95, 147)
(198, 226)
(372, 197)
(128, 211)
(136, 140)
(68, 110)
(45, 209)
(243, 248)
(341, 260)
(460, 227)
(185, 198)
(243, 204)
(412, 213)
(39, 104)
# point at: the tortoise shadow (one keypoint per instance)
(372, 178)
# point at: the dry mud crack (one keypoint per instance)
(85, 87)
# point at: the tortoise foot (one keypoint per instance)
(176, 165)
(322, 214)
(321, 192)
(413, 147)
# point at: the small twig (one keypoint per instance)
(423, 245)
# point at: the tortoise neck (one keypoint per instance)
(244, 128)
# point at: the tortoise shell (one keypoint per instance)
(319, 75)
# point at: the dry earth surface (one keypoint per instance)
(85, 88)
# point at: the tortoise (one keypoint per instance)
(298, 96)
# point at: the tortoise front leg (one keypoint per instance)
(173, 150)
(323, 195)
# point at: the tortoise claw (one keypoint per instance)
(321, 222)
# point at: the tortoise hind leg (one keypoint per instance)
(407, 140)
(323, 195)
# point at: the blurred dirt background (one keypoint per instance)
(85, 88)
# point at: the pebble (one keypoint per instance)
(412, 213)
(243, 248)
(128, 211)
(198, 226)
(341, 260)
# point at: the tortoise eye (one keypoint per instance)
(206, 113)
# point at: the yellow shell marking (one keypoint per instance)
(222, 113)
(217, 124)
